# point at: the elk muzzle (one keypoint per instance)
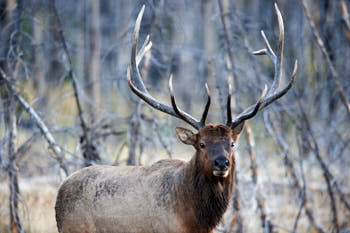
(221, 167)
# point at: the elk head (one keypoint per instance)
(214, 143)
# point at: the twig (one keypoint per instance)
(342, 196)
(26, 145)
(155, 124)
(295, 225)
(161, 140)
(345, 14)
(302, 191)
(110, 133)
(116, 161)
(283, 228)
(326, 54)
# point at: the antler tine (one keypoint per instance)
(278, 62)
(266, 100)
(179, 112)
(271, 98)
(229, 114)
(135, 60)
(250, 113)
(147, 45)
(137, 86)
(206, 109)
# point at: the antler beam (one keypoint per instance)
(137, 86)
(272, 94)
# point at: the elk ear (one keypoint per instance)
(237, 130)
(186, 136)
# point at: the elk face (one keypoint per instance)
(215, 145)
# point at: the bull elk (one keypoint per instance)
(169, 195)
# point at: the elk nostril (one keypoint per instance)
(222, 164)
(217, 163)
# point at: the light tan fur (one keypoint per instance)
(170, 196)
(119, 199)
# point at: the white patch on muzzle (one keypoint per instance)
(223, 174)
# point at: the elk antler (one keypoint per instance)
(272, 95)
(137, 86)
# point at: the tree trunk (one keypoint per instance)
(11, 51)
(93, 76)
(15, 223)
(134, 135)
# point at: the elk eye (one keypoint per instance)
(232, 144)
(202, 145)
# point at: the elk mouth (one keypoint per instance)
(223, 174)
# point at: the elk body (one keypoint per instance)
(171, 195)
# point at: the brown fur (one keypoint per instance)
(168, 196)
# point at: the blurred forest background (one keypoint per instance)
(65, 102)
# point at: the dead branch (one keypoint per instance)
(21, 150)
(265, 221)
(154, 122)
(325, 171)
(236, 224)
(346, 16)
(116, 160)
(59, 154)
(271, 129)
(296, 221)
(134, 134)
(15, 222)
(87, 145)
(342, 196)
(160, 138)
(94, 73)
(302, 192)
(231, 63)
(11, 63)
(326, 55)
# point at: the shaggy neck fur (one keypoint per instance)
(205, 197)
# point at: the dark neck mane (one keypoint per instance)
(205, 198)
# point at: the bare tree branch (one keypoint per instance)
(325, 171)
(345, 14)
(15, 222)
(59, 154)
(326, 55)
(266, 223)
(86, 142)
(290, 168)
(342, 197)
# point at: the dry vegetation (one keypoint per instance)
(299, 146)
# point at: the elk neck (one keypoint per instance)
(203, 199)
